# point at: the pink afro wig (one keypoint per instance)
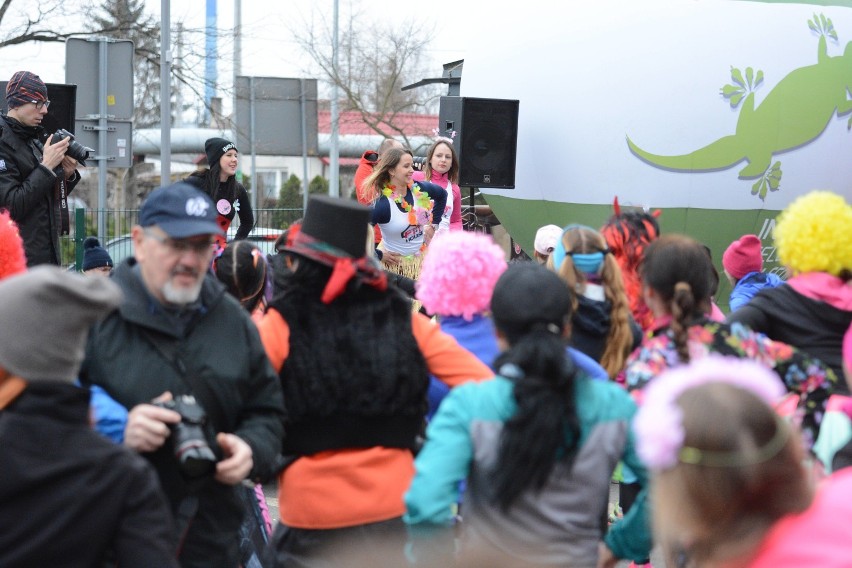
(12, 257)
(459, 274)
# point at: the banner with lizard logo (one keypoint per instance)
(718, 112)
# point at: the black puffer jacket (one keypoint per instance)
(27, 191)
(221, 348)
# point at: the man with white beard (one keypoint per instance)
(180, 342)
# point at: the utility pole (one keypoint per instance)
(165, 94)
(334, 182)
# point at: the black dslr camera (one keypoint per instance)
(194, 456)
(75, 149)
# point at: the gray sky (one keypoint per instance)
(267, 51)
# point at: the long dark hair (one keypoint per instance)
(211, 184)
(242, 268)
(678, 269)
(545, 429)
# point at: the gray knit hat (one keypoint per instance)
(49, 298)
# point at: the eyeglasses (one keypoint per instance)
(41, 104)
(182, 246)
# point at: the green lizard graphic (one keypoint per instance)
(792, 115)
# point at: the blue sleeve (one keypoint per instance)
(588, 365)
(439, 195)
(443, 462)
(381, 211)
(110, 416)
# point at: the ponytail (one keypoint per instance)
(682, 308)
(545, 429)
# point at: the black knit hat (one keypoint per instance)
(528, 295)
(94, 255)
(215, 148)
(340, 223)
(25, 87)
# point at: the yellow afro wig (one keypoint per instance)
(814, 234)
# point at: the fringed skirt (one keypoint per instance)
(409, 266)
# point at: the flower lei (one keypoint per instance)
(419, 215)
(658, 425)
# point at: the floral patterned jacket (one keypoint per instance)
(803, 375)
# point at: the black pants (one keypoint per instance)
(369, 545)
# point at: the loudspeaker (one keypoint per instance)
(60, 113)
(486, 139)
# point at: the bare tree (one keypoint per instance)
(54, 21)
(22, 21)
(375, 60)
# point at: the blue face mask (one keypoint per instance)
(588, 263)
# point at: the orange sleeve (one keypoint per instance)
(446, 359)
(364, 170)
(275, 335)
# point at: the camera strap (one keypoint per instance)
(197, 387)
(61, 196)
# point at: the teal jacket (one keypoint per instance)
(561, 524)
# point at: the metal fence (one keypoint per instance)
(118, 222)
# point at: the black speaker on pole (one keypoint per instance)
(60, 113)
(486, 139)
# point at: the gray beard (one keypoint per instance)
(182, 296)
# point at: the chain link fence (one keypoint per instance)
(117, 222)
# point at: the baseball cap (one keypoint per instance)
(546, 238)
(180, 210)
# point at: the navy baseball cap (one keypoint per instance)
(181, 211)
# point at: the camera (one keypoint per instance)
(192, 452)
(419, 162)
(75, 149)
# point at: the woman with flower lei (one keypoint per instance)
(677, 280)
(408, 213)
(729, 484)
(442, 168)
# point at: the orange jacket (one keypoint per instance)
(343, 488)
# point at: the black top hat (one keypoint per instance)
(338, 223)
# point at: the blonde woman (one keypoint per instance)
(407, 212)
(602, 326)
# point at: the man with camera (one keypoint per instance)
(35, 178)
(206, 408)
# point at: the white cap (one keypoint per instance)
(546, 239)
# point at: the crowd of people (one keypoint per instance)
(416, 399)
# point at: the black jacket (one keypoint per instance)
(812, 326)
(27, 191)
(239, 203)
(68, 496)
(221, 349)
(590, 327)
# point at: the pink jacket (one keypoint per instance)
(441, 179)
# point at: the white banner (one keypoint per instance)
(762, 86)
